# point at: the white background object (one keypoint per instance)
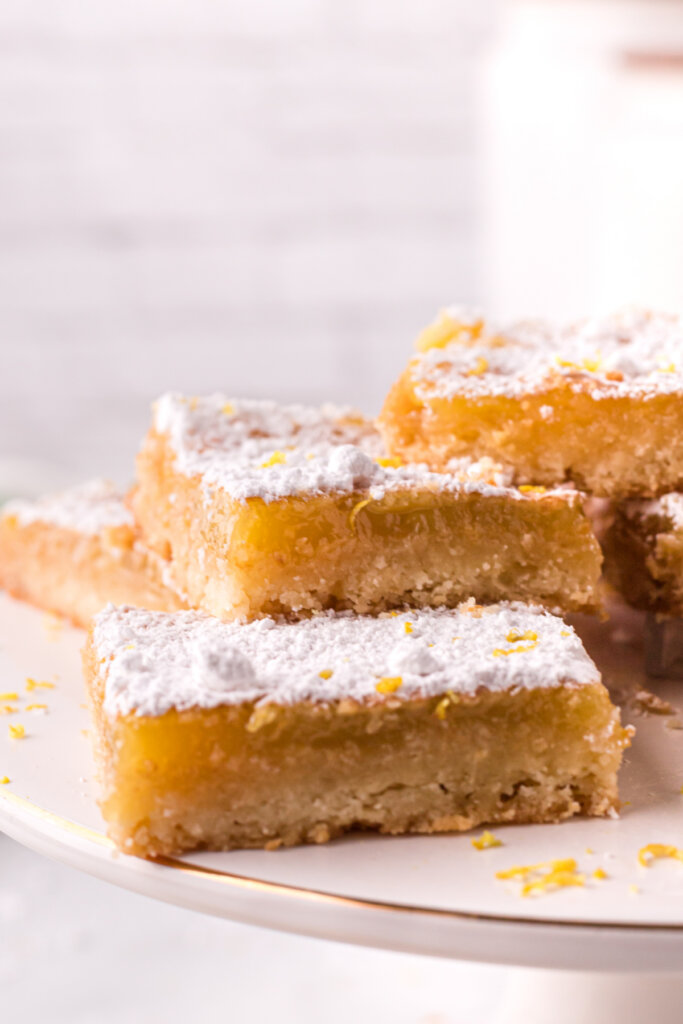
(582, 133)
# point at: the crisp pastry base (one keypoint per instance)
(416, 547)
(75, 574)
(644, 559)
(610, 446)
(201, 778)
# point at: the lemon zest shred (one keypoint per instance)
(532, 489)
(228, 409)
(545, 876)
(389, 462)
(408, 626)
(9, 696)
(514, 636)
(565, 632)
(355, 510)
(442, 706)
(486, 841)
(591, 365)
(389, 684)
(326, 673)
(657, 851)
(600, 874)
(499, 652)
(260, 716)
(7, 709)
(34, 684)
(481, 366)
(4, 780)
(36, 707)
(444, 330)
(17, 732)
(276, 459)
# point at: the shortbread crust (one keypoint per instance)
(267, 509)
(220, 735)
(599, 402)
(74, 552)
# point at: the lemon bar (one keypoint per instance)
(217, 735)
(269, 509)
(74, 552)
(644, 553)
(599, 403)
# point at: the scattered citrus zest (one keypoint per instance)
(276, 459)
(408, 626)
(445, 330)
(17, 732)
(486, 841)
(229, 409)
(481, 366)
(633, 888)
(260, 716)
(657, 851)
(4, 780)
(36, 707)
(514, 636)
(499, 652)
(591, 365)
(355, 510)
(667, 368)
(532, 489)
(34, 684)
(566, 632)
(546, 876)
(9, 696)
(600, 874)
(442, 706)
(7, 709)
(389, 462)
(389, 684)
(326, 673)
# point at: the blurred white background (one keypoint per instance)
(264, 198)
(271, 199)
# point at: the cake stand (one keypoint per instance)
(603, 946)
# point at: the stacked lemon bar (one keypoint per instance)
(73, 552)
(349, 628)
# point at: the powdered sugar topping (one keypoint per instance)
(154, 661)
(88, 508)
(255, 449)
(632, 352)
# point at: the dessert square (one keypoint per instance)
(218, 735)
(644, 553)
(598, 403)
(74, 552)
(268, 509)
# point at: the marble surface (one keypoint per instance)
(74, 950)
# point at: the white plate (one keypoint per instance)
(423, 894)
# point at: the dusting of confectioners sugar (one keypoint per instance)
(257, 449)
(88, 508)
(632, 353)
(155, 661)
(668, 509)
